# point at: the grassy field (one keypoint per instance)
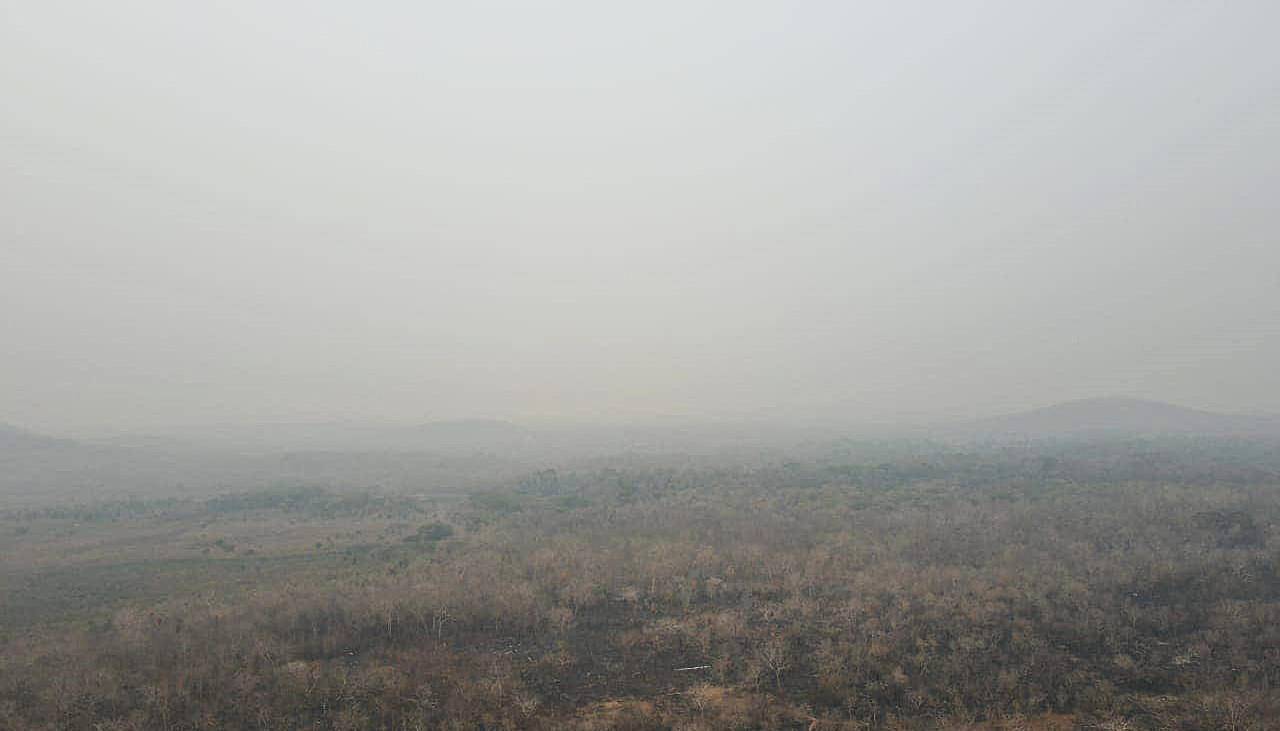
(83, 562)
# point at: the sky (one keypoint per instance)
(239, 212)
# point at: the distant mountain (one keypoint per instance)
(36, 469)
(467, 435)
(1118, 416)
(13, 438)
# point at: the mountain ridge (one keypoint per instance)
(1114, 415)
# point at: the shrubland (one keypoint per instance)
(859, 586)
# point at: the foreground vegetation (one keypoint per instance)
(1040, 587)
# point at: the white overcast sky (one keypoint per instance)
(284, 211)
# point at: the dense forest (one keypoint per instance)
(1117, 584)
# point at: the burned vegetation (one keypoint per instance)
(1045, 586)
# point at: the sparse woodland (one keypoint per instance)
(1091, 587)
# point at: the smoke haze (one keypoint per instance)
(235, 212)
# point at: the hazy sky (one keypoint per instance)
(266, 211)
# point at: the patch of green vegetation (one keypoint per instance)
(83, 591)
(430, 533)
(497, 504)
